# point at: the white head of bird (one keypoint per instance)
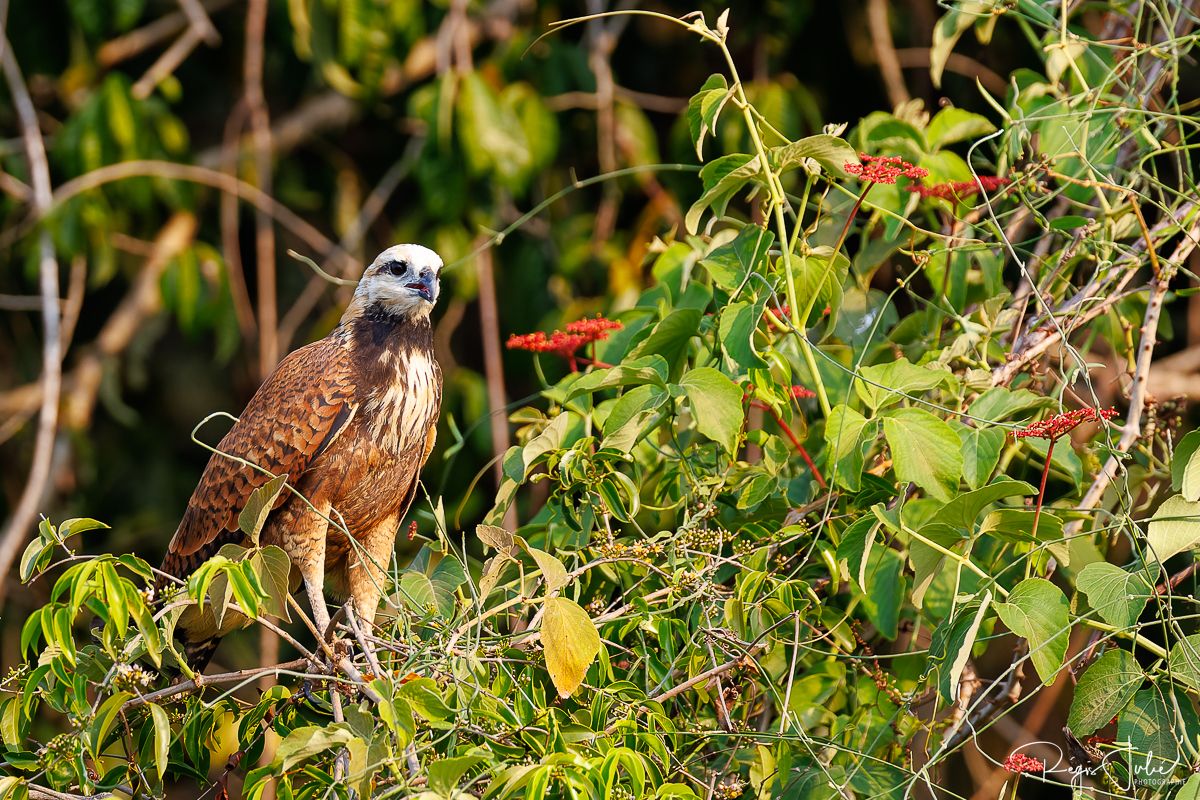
(402, 280)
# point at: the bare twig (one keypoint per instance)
(489, 323)
(160, 30)
(51, 381)
(142, 300)
(166, 63)
(209, 177)
(200, 681)
(885, 52)
(260, 131)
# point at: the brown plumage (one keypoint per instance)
(350, 419)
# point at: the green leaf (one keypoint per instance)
(102, 723)
(1119, 596)
(305, 742)
(445, 773)
(732, 263)
(1157, 724)
(416, 590)
(703, 109)
(846, 432)
(855, 548)
(928, 561)
(423, 696)
(669, 338)
(716, 404)
(981, 453)
(999, 403)
(1184, 661)
(1181, 461)
(831, 152)
(1174, 528)
(953, 124)
(262, 500)
(650, 369)
(1190, 482)
(1016, 525)
(886, 587)
(570, 641)
(162, 738)
(963, 510)
(819, 276)
(1037, 611)
(722, 179)
(885, 384)
(1104, 691)
(951, 643)
(447, 576)
(739, 323)
(945, 35)
(492, 137)
(1065, 459)
(925, 450)
(274, 570)
(550, 439)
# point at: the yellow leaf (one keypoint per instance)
(571, 643)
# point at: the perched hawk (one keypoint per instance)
(350, 419)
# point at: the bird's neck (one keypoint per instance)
(377, 336)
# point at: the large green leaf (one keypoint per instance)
(1037, 611)
(831, 152)
(1104, 691)
(963, 510)
(732, 263)
(953, 124)
(274, 570)
(570, 641)
(1119, 596)
(305, 742)
(885, 384)
(1174, 528)
(980, 452)
(716, 404)
(925, 450)
(885, 590)
(1157, 724)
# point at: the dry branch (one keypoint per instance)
(43, 450)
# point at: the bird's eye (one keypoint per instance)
(397, 268)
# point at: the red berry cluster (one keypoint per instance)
(1019, 762)
(565, 343)
(884, 169)
(1053, 427)
(960, 190)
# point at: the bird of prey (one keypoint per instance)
(350, 419)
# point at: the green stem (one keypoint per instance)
(778, 200)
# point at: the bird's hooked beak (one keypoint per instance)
(426, 288)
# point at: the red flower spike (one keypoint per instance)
(595, 329)
(565, 343)
(884, 169)
(1019, 762)
(800, 393)
(960, 190)
(1054, 427)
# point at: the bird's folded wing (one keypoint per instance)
(295, 415)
